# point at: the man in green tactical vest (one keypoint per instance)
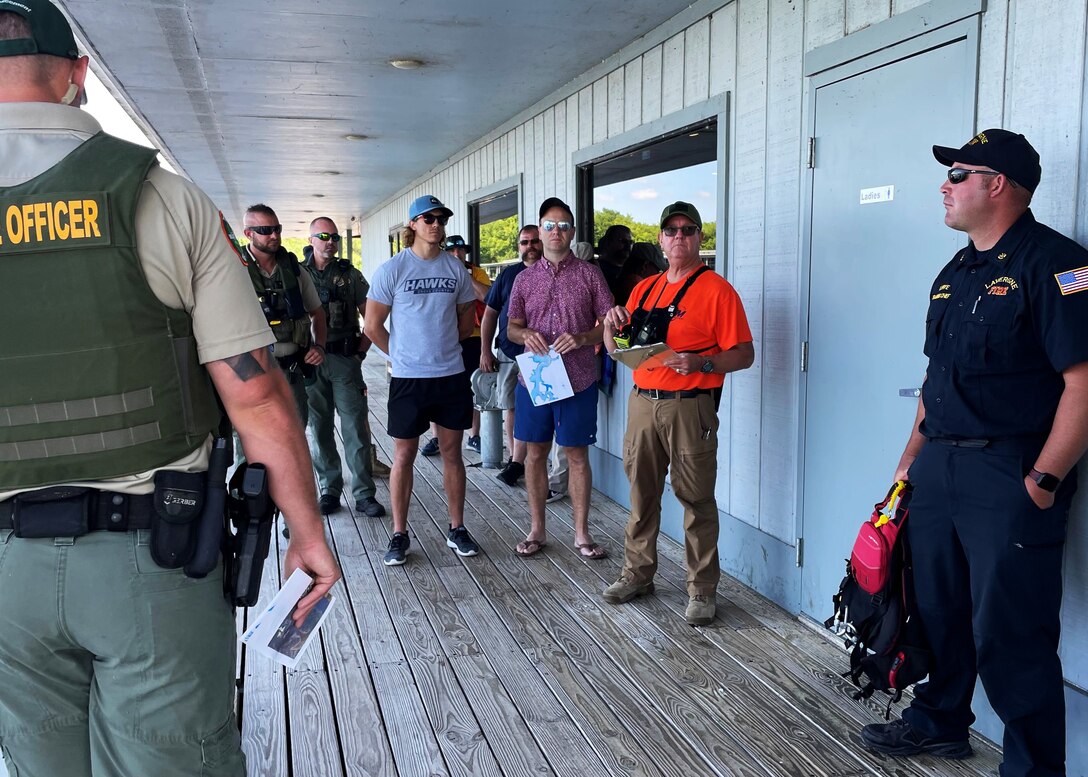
(114, 661)
(288, 300)
(338, 382)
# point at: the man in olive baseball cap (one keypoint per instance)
(1008, 153)
(50, 32)
(681, 208)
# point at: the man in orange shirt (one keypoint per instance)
(672, 413)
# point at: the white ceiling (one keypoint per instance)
(252, 98)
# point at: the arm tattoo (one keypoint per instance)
(245, 366)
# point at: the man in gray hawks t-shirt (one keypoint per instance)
(427, 298)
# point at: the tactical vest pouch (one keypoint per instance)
(62, 511)
(179, 501)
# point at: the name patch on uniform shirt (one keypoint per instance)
(1072, 281)
(943, 291)
(42, 223)
(1000, 287)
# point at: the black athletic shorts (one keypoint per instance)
(415, 402)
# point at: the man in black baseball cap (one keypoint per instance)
(1005, 152)
(992, 457)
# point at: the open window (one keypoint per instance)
(633, 186)
(493, 229)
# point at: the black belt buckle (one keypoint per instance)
(61, 511)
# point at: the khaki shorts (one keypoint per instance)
(507, 380)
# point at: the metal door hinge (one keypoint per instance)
(800, 550)
(811, 153)
(804, 356)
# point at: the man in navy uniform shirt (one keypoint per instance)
(1001, 424)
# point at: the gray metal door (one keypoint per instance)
(877, 241)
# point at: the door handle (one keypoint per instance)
(910, 392)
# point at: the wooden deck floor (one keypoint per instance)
(499, 665)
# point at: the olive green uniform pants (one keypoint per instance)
(681, 434)
(111, 666)
(338, 388)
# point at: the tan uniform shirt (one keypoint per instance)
(188, 261)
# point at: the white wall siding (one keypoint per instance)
(1031, 78)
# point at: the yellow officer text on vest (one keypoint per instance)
(49, 222)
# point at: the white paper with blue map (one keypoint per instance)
(545, 377)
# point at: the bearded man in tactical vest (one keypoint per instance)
(338, 383)
(111, 662)
(288, 300)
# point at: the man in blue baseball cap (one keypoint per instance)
(427, 299)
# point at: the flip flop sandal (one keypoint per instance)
(529, 547)
(591, 550)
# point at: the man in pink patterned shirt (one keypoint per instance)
(559, 303)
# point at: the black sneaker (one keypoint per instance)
(370, 507)
(555, 496)
(511, 473)
(461, 541)
(398, 549)
(472, 442)
(899, 738)
(329, 503)
(431, 448)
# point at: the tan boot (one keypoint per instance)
(700, 610)
(625, 589)
(378, 468)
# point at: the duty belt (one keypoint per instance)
(1022, 444)
(682, 394)
(106, 510)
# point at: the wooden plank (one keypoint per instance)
(585, 117)
(632, 94)
(600, 110)
(740, 497)
(825, 21)
(263, 702)
(651, 84)
(573, 143)
(615, 102)
(723, 51)
(460, 737)
(672, 75)
(548, 120)
(863, 13)
(561, 159)
(697, 62)
(411, 738)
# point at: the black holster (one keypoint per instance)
(251, 517)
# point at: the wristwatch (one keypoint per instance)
(708, 367)
(1045, 480)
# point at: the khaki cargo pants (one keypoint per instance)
(681, 434)
(112, 666)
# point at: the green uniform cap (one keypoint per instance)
(50, 32)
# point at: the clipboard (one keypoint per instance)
(637, 355)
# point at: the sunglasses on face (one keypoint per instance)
(959, 175)
(687, 230)
(430, 218)
(327, 236)
(275, 229)
(551, 226)
(528, 242)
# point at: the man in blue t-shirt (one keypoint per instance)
(498, 300)
(427, 298)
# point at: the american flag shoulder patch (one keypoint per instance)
(1072, 281)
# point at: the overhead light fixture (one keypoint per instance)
(319, 195)
(406, 64)
(330, 172)
(693, 134)
(353, 136)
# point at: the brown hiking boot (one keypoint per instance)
(625, 589)
(378, 468)
(700, 610)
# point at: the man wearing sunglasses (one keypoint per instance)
(558, 303)
(427, 298)
(112, 660)
(493, 333)
(672, 413)
(337, 387)
(289, 302)
(1001, 424)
